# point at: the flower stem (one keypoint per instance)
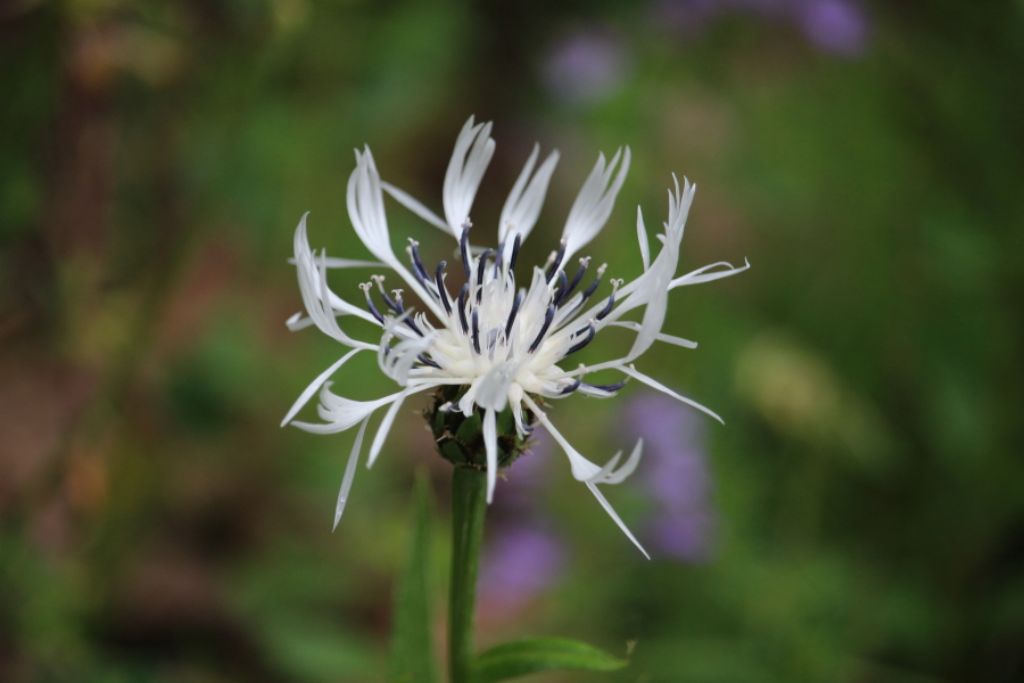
(468, 505)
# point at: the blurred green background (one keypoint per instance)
(861, 516)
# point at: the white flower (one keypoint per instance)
(509, 346)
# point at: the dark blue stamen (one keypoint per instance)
(462, 307)
(417, 264)
(464, 249)
(427, 360)
(499, 258)
(610, 388)
(476, 331)
(512, 314)
(411, 324)
(576, 279)
(556, 264)
(387, 299)
(442, 293)
(373, 308)
(607, 307)
(549, 315)
(589, 336)
(480, 266)
(589, 291)
(563, 284)
(515, 251)
(572, 387)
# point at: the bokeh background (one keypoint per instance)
(861, 516)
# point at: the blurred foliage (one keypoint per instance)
(156, 525)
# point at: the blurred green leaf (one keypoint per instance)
(534, 655)
(412, 653)
(314, 649)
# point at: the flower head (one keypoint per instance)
(493, 351)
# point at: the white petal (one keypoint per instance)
(655, 384)
(405, 355)
(594, 392)
(617, 476)
(470, 158)
(615, 517)
(706, 274)
(389, 418)
(641, 238)
(516, 193)
(308, 392)
(297, 322)
(416, 206)
(679, 204)
(608, 468)
(465, 403)
(343, 263)
(654, 317)
(662, 337)
(350, 473)
(340, 413)
(651, 288)
(384, 429)
(492, 391)
(582, 469)
(517, 415)
(595, 201)
(491, 447)
(365, 201)
(329, 323)
(396, 361)
(524, 202)
(668, 258)
(321, 303)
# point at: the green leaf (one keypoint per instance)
(533, 655)
(412, 648)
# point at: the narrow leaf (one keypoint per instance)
(523, 657)
(412, 648)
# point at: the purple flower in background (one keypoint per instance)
(584, 67)
(836, 26)
(676, 476)
(522, 483)
(522, 558)
(520, 563)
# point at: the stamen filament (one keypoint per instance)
(441, 291)
(366, 286)
(591, 330)
(462, 308)
(557, 262)
(476, 331)
(481, 265)
(516, 243)
(549, 315)
(512, 314)
(464, 247)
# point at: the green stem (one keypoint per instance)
(469, 488)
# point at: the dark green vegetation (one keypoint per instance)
(868, 487)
